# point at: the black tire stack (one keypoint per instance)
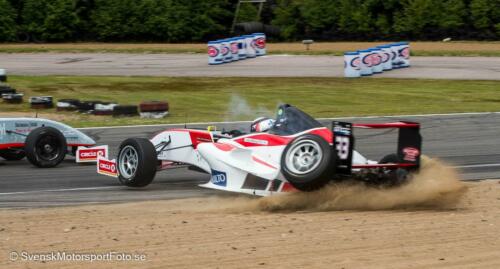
(87, 106)
(41, 102)
(102, 109)
(67, 104)
(10, 95)
(5, 89)
(153, 109)
(12, 98)
(125, 111)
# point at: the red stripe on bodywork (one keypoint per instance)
(387, 125)
(11, 145)
(21, 145)
(276, 140)
(197, 136)
(255, 159)
(325, 133)
(80, 145)
(382, 165)
(224, 147)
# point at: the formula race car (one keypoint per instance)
(296, 153)
(44, 142)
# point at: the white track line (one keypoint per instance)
(120, 187)
(62, 190)
(478, 165)
(340, 118)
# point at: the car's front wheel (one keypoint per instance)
(137, 161)
(45, 147)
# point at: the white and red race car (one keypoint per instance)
(297, 153)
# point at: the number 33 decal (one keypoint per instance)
(342, 145)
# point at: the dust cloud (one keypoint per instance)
(240, 109)
(435, 186)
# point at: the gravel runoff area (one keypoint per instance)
(194, 65)
(217, 232)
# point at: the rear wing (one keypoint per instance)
(408, 149)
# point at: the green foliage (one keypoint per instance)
(61, 21)
(388, 19)
(165, 20)
(201, 20)
(7, 21)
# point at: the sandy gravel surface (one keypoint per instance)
(444, 224)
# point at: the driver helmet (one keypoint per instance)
(261, 124)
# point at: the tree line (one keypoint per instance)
(202, 20)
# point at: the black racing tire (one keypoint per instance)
(67, 104)
(6, 89)
(12, 154)
(393, 177)
(318, 172)
(137, 162)
(125, 110)
(41, 102)
(85, 106)
(45, 147)
(13, 98)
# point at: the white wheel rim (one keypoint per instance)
(128, 162)
(303, 157)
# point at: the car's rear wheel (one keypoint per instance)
(12, 154)
(137, 162)
(393, 177)
(306, 162)
(45, 147)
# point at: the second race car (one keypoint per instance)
(44, 142)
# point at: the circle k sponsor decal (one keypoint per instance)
(355, 63)
(234, 47)
(385, 57)
(405, 53)
(107, 167)
(213, 51)
(91, 154)
(367, 60)
(376, 59)
(225, 50)
(260, 43)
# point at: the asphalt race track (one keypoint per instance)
(471, 142)
(195, 65)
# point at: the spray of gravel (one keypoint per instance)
(435, 186)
